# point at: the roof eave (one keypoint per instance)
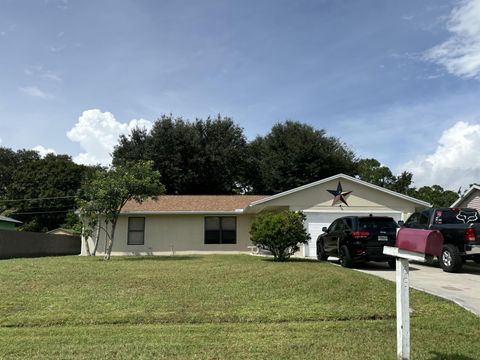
(467, 194)
(347, 177)
(183, 212)
(10, 220)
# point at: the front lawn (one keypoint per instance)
(215, 307)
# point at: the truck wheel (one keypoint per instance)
(345, 258)
(321, 254)
(451, 260)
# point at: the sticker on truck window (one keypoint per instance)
(465, 218)
(438, 217)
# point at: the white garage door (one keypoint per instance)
(316, 221)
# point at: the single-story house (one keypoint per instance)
(7, 223)
(221, 223)
(471, 199)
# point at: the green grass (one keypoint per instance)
(215, 307)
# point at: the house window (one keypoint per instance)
(220, 230)
(136, 231)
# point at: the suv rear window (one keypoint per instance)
(376, 223)
(456, 216)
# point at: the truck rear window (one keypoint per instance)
(372, 223)
(456, 216)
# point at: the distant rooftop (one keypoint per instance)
(7, 219)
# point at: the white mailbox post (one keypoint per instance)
(403, 302)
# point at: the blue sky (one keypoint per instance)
(395, 80)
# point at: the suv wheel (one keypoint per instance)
(450, 260)
(321, 254)
(429, 260)
(345, 258)
(392, 263)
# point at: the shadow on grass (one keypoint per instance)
(159, 258)
(442, 356)
(291, 260)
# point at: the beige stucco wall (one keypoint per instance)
(362, 199)
(181, 234)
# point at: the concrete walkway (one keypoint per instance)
(462, 288)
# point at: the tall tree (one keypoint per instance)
(42, 190)
(10, 162)
(436, 195)
(372, 171)
(107, 191)
(402, 184)
(295, 154)
(132, 147)
(221, 161)
(200, 157)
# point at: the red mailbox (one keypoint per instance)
(429, 242)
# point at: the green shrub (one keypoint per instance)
(280, 233)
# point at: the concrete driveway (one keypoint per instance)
(461, 288)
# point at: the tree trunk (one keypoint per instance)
(110, 241)
(85, 241)
(107, 236)
(97, 238)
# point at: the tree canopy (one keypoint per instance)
(199, 157)
(212, 156)
(436, 195)
(40, 192)
(294, 154)
(372, 171)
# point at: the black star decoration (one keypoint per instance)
(339, 195)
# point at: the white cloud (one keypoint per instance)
(455, 161)
(97, 133)
(32, 69)
(44, 151)
(40, 72)
(60, 4)
(49, 75)
(460, 54)
(56, 49)
(35, 92)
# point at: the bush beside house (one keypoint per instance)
(280, 233)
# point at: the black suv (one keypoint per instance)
(358, 238)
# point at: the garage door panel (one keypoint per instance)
(316, 221)
(315, 230)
